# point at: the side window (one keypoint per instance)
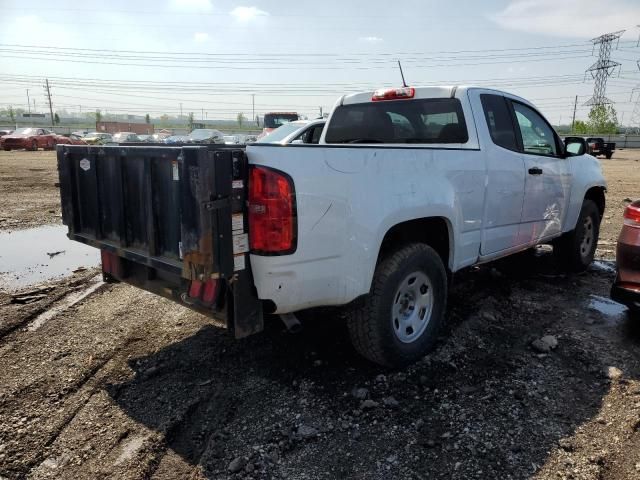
(314, 137)
(537, 135)
(499, 121)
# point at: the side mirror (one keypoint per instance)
(575, 146)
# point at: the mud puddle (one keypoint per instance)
(29, 257)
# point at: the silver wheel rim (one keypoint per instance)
(588, 236)
(412, 307)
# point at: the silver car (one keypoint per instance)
(298, 131)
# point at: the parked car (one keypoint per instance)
(273, 120)
(5, 132)
(30, 139)
(206, 135)
(232, 140)
(176, 139)
(298, 131)
(71, 139)
(250, 139)
(97, 138)
(125, 137)
(406, 187)
(145, 138)
(597, 146)
(159, 137)
(626, 288)
(81, 133)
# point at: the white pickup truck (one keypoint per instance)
(406, 187)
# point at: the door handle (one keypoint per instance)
(535, 171)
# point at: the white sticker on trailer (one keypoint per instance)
(240, 243)
(174, 167)
(237, 184)
(237, 222)
(85, 164)
(239, 262)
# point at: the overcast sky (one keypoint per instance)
(296, 55)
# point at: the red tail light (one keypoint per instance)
(393, 94)
(632, 215)
(272, 212)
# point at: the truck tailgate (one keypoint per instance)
(170, 220)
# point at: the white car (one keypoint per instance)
(296, 132)
(406, 187)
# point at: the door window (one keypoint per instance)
(537, 136)
(499, 121)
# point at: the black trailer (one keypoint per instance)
(170, 220)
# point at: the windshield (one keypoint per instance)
(280, 133)
(274, 120)
(203, 134)
(25, 131)
(434, 120)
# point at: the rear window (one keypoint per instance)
(434, 120)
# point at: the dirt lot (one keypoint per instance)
(126, 385)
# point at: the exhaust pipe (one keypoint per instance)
(291, 322)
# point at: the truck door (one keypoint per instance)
(505, 181)
(548, 175)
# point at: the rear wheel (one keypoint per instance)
(399, 321)
(609, 155)
(34, 145)
(576, 249)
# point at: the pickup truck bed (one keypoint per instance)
(170, 220)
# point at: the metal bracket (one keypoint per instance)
(217, 204)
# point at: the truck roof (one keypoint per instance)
(441, 91)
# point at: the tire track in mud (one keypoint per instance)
(74, 287)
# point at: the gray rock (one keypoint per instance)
(306, 431)
(360, 393)
(237, 464)
(368, 404)
(390, 402)
(545, 344)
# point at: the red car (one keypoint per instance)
(29, 139)
(626, 288)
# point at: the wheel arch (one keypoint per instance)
(596, 194)
(436, 231)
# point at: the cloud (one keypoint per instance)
(245, 14)
(201, 37)
(201, 5)
(371, 39)
(567, 18)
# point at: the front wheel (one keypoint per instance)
(399, 321)
(576, 249)
(34, 146)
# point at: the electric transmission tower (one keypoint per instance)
(635, 115)
(603, 68)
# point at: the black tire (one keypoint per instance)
(372, 327)
(6, 149)
(573, 250)
(608, 156)
(34, 146)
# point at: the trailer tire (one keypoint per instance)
(608, 156)
(398, 322)
(575, 250)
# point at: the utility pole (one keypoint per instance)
(28, 101)
(202, 116)
(34, 106)
(253, 106)
(180, 109)
(603, 68)
(320, 112)
(50, 105)
(573, 120)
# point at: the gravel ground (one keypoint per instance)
(537, 376)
